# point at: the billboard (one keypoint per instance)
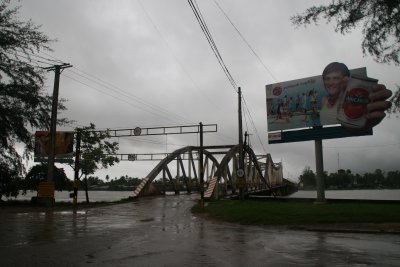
(310, 102)
(63, 148)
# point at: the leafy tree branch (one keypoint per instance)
(379, 19)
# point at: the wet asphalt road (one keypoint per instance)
(162, 232)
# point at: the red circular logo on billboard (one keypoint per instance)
(355, 104)
(277, 91)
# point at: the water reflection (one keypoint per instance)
(162, 231)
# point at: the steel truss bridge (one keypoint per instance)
(220, 165)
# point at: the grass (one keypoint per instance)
(253, 212)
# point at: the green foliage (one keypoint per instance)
(380, 20)
(10, 182)
(395, 101)
(23, 103)
(96, 152)
(344, 179)
(39, 172)
(308, 177)
(123, 183)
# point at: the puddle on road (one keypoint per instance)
(69, 212)
(147, 220)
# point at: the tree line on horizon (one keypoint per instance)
(345, 179)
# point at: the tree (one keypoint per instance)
(39, 172)
(23, 103)
(95, 152)
(393, 179)
(380, 21)
(308, 178)
(395, 100)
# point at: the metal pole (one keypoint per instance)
(201, 171)
(319, 161)
(240, 172)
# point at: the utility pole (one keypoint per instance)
(241, 180)
(53, 123)
(46, 192)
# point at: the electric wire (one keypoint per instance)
(211, 42)
(51, 61)
(262, 63)
(127, 94)
(17, 57)
(174, 55)
(32, 58)
(54, 58)
(115, 97)
(254, 126)
(124, 93)
(245, 41)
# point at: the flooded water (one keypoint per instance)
(161, 231)
(378, 194)
(63, 196)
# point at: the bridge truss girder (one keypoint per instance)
(220, 175)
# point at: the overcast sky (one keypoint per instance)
(147, 63)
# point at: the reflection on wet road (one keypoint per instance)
(162, 232)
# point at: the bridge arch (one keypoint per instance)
(259, 175)
(145, 187)
(220, 177)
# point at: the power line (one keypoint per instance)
(173, 54)
(262, 63)
(92, 78)
(54, 58)
(52, 61)
(17, 57)
(115, 97)
(211, 42)
(126, 94)
(254, 126)
(245, 41)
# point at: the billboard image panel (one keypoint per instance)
(308, 102)
(63, 148)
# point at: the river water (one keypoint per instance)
(161, 231)
(377, 194)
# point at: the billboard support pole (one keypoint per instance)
(319, 161)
